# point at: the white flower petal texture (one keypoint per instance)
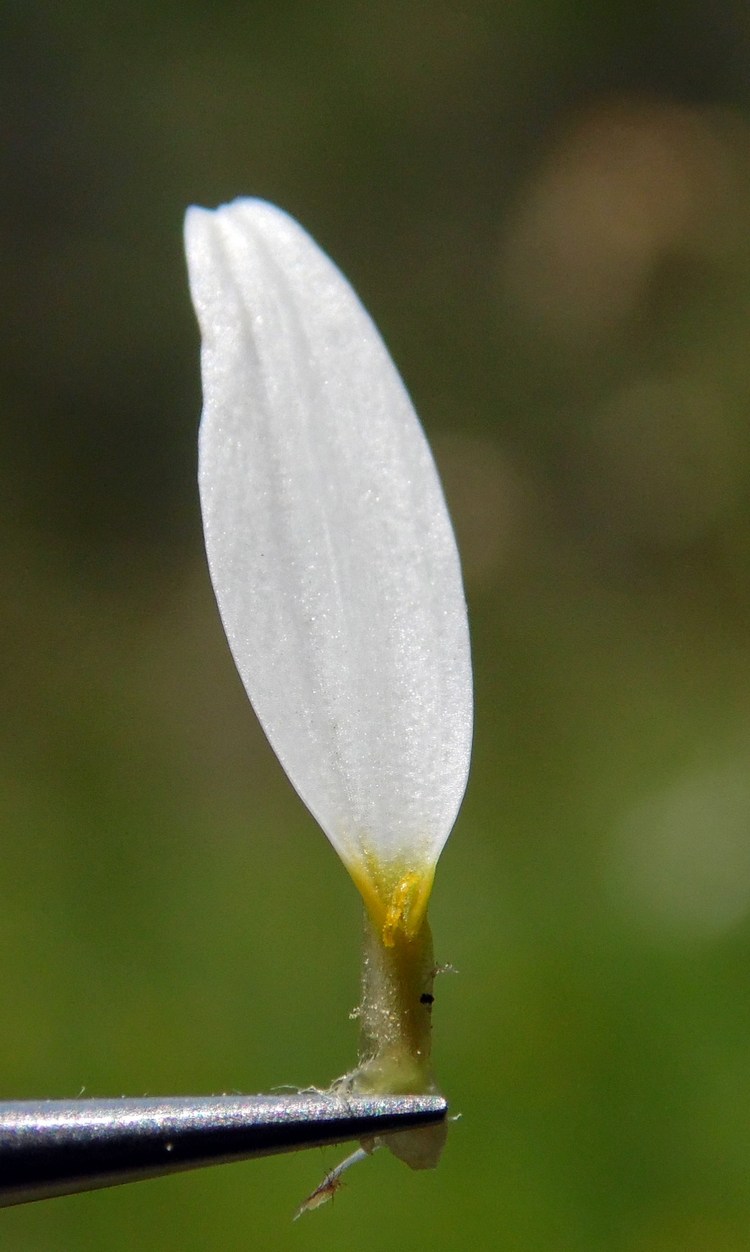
(329, 543)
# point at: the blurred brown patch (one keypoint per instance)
(623, 186)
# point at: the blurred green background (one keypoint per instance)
(546, 207)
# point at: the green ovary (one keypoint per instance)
(398, 974)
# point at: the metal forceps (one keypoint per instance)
(60, 1147)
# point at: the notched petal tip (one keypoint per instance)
(245, 213)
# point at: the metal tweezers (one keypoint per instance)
(60, 1147)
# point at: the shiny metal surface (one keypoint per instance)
(58, 1147)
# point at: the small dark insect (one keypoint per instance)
(426, 998)
(326, 1191)
(331, 1182)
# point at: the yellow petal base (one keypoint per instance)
(396, 899)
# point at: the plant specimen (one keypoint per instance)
(338, 582)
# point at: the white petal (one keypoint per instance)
(330, 547)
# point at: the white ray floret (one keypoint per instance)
(338, 581)
(329, 543)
